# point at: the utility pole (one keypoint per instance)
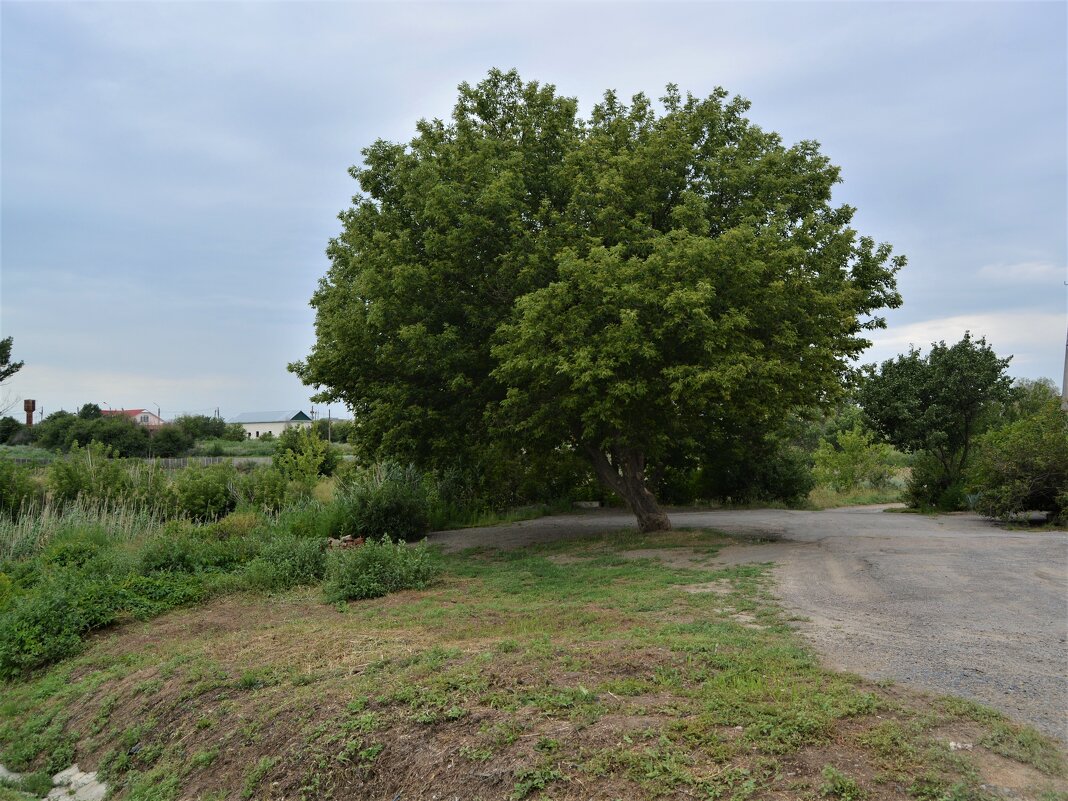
(1064, 386)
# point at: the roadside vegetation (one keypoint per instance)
(625, 665)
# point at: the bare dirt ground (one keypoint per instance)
(950, 604)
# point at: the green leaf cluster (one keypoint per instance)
(1023, 466)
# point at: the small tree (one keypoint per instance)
(936, 405)
(851, 459)
(90, 411)
(234, 432)
(200, 426)
(1024, 466)
(171, 440)
(302, 456)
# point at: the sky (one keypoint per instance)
(170, 173)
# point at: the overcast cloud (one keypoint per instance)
(171, 172)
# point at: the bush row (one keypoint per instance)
(86, 578)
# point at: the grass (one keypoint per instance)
(559, 671)
(227, 447)
(823, 497)
(27, 452)
(826, 497)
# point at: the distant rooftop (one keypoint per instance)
(269, 417)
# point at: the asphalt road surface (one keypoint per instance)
(950, 604)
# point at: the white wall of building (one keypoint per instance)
(257, 430)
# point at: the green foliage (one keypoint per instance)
(205, 493)
(90, 411)
(377, 568)
(927, 486)
(38, 629)
(851, 460)
(7, 367)
(60, 431)
(382, 502)
(234, 432)
(286, 562)
(621, 287)
(91, 473)
(200, 426)
(336, 431)
(171, 440)
(9, 429)
(263, 488)
(1023, 466)
(936, 405)
(741, 468)
(302, 455)
(19, 491)
(837, 785)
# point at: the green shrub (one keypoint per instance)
(38, 629)
(171, 440)
(303, 456)
(191, 549)
(853, 460)
(19, 491)
(286, 562)
(205, 493)
(47, 621)
(199, 426)
(384, 501)
(92, 473)
(747, 469)
(377, 568)
(150, 489)
(309, 519)
(9, 428)
(1024, 466)
(263, 488)
(930, 486)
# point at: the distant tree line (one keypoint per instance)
(61, 430)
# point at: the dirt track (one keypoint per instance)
(950, 604)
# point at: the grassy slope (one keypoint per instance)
(562, 672)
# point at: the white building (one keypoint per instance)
(256, 424)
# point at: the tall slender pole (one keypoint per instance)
(1064, 386)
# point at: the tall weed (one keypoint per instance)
(378, 568)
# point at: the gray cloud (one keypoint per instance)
(173, 171)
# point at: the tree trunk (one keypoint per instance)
(623, 472)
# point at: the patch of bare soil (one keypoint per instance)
(686, 558)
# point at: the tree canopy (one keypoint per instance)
(937, 404)
(7, 367)
(628, 286)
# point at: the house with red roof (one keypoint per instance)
(143, 417)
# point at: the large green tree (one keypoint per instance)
(627, 286)
(8, 368)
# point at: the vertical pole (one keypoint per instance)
(1064, 386)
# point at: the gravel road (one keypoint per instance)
(950, 604)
